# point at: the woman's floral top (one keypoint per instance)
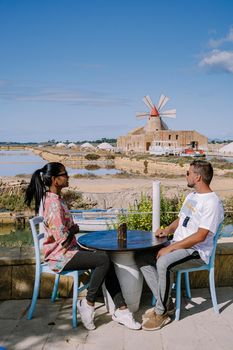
(57, 221)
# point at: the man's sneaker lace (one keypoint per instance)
(87, 313)
(125, 317)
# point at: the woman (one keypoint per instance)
(61, 250)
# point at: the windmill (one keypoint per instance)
(155, 121)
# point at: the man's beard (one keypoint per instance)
(190, 184)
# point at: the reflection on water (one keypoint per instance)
(26, 162)
(19, 162)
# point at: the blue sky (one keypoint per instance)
(78, 69)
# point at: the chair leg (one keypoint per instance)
(153, 301)
(55, 288)
(178, 295)
(35, 294)
(213, 291)
(187, 285)
(75, 299)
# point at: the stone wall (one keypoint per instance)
(148, 167)
(17, 266)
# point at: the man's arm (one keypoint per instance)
(168, 230)
(186, 243)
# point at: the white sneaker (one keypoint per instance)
(87, 313)
(125, 317)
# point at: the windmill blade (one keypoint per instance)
(171, 113)
(150, 101)
(142, 115)
(162, 101)
(147, 102)
(164, 125)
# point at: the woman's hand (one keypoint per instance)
(74, 229)
(70, 235)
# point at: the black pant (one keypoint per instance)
(103, 270)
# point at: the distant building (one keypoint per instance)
(157, 132)
(140, 139)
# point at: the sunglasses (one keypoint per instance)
(63, 174)
(188, 173)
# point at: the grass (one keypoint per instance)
(15, 237)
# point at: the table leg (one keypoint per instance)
(130, 278)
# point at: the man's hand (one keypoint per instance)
(161, 232)
(164, 251)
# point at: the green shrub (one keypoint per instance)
(92, 156)
(92, 167)
(110, 156)
(85, 176)
(139, 215)
(12, 202)
(228, 210)
(74, 200)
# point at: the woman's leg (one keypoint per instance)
(122, 314)
(113, 286)
(96, 260)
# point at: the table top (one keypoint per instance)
(107, 240)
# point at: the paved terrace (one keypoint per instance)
(199, 328)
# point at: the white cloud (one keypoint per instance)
(218, 61)
(215, 43)
(25, 93)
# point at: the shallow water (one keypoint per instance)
(26, 162)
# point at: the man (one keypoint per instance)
(191, 246)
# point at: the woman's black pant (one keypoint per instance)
(102, 270)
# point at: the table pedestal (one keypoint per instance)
(130, 279)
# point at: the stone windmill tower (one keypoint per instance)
(155, 121)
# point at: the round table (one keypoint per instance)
(122, 254)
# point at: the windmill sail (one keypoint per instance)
(169, 113)
(155, 121)
(142, 115)
(162, 101)
(149, 105)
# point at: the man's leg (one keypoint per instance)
(160, 318)
(146, 261)
(163, 267)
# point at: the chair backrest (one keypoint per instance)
(215, 241)
(37, 237)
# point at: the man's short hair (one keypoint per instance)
(203, 168)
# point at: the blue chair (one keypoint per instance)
(209, 267)
(43, 267)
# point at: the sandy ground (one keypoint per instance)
(119, 193)
(223, 186)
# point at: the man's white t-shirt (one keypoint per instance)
(202, 210)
